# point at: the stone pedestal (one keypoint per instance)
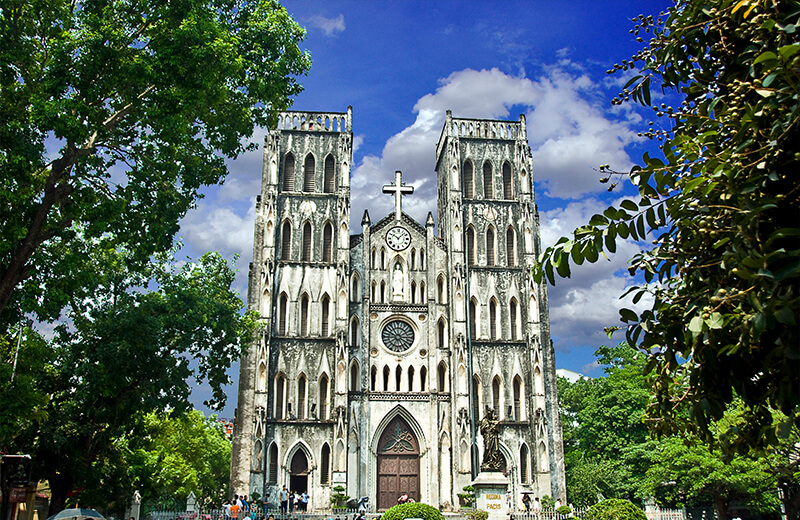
(490, 493)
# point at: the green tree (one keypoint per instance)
(723, 207)
(606, 445)
(175, 454)
(128, 351)
(146, 100)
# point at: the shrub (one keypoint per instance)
(564, 510)
(468, 497)
(614, 509)
(477, 514)
(415, 510)
(338, 498)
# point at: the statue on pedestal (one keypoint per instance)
(490, 429)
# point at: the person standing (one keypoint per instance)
(283, 496)
(304, 501)
(537, 506)
(526, 501)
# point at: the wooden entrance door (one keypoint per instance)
(398, 464)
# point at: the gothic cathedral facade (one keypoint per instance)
(380, 351)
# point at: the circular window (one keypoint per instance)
(398, 336)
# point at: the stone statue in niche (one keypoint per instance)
(490, 429)
(397, 282)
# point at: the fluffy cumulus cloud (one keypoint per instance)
(329, 26)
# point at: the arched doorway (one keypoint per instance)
(298, 478)
(398, 464)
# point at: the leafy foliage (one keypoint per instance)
(723, 207)
(145, 100)
(413, 510)
(127, 352)
(614, 509)
(477, 514)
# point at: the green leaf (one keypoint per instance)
(765, 56)
(715, 321)
(598, 220)
(787, 51)
(696, 325)
(627, 315)
(629, 205)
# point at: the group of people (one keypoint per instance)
(237, 508)
(533, 506)
(292, 500)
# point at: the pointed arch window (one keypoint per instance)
(273, 464)
(383, 292)
(386, 372)
(283, 307)
(477, 398)
(355, 288)
(325, 464)
(374, 263)
(523, 463)
(411, 379)
(327, 243)
(354, 331)
(308, 174)
(496, 397)
(286, 241)
(490, 249)
(329, 182)
(305, 303)
(373, 378)
(511, 247)
(488, 181)
(355, 386)
(422, 259)
(413, 292)
(442, 373)
(324, 383)
(423, 378)
(302, 388)
(473, 318)
(517, 398)
(383, 258)
(306, 242)
(513, 309)
(441, 333)
(440, 294)
(469, 180)
(280, 396)
(326, 312)
(470, 246)
(288, 173)
(423, 297)
(508, 187)
(413, 258)
(493, 319)
(398, 376)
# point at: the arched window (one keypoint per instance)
(355, 288)
(305, 303)
(490, 256)
(496, 397)
(513, 309)
(413, 258)
(442, 373)
(325, 464)
(383, 258)
(470, 246)
(473, 318)
(410, 379)
(398, 376)
(441, 333)
(273, 463)
(508, 187)
(354, 377)
(511, 248)
(326, 315)
(286, 241)
(423, 297)
(523, 463)
(302, 386)
(493, 319)
(422, 259)
(327, 243)
(280, 396)
(288, 173)
(423, 378)
(324, 383)
(306, 242)
(386, 372)
(517, 398)
(283, 307)
(413, 292)
(373, 378)
(354, 335)
(308, 175)
(441, 296)
(383, 292)
(488, 181)
(329, 182)
(262, 377)
(469, 181)
(374, 264)
(477, 398)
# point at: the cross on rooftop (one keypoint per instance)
(399, 189)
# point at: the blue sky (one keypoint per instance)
(401, 64)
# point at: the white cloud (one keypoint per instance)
(329, 26)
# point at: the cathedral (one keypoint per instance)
(381, 349)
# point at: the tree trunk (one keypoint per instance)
(721, 505)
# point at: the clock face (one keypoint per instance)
(398, 238)
(398, 336)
